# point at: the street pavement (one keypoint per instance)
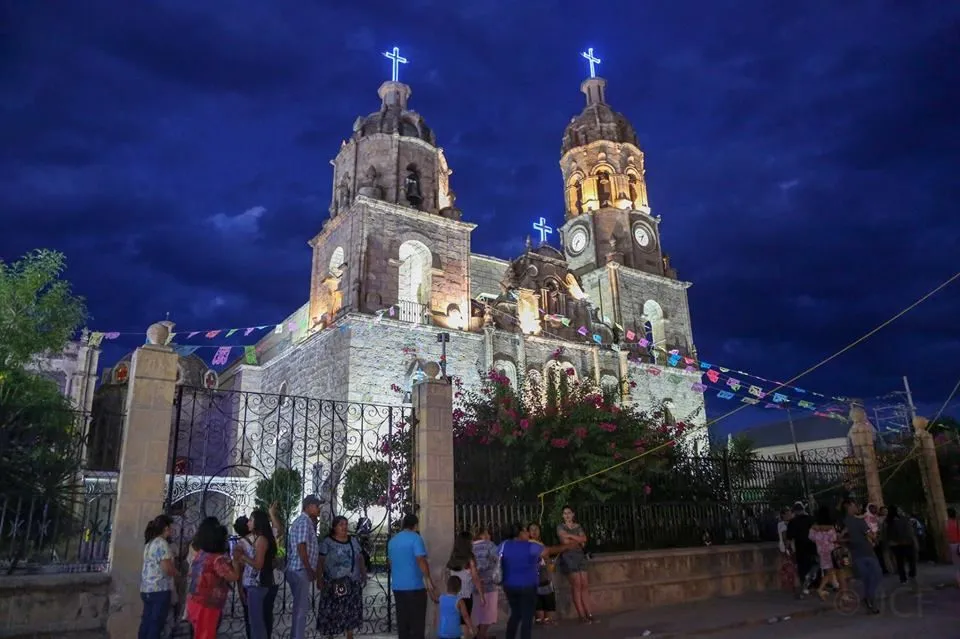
(933, 605)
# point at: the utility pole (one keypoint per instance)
(799, 460)
(913, 409)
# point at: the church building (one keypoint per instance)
(393, 270)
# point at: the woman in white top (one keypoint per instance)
(788, 569)
(156, 577)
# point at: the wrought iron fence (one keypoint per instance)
(55, 513)
(233, 451)
(692, 501)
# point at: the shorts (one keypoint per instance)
(468, 602)
(547, 602)
(572, 561)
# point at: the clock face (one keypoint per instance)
(643, 236)
(578, 241)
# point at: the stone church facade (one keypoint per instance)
(393, 268)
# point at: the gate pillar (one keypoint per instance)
(433, 470)
(861, 436)
(143, 469)
(933, 487)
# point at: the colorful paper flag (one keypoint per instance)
(673, 360)
(713, 376)
(231, 332)
(583, 330)
(211, 334)
(644, 342)
(749, 400)
(111, 335)
(733, 383)
(779, 398)
(192, 334)
(597, 339)
(653, 370)
(95, 339)
(698, 387)
(756, 391)
(185, 351)
(278, 329)
(631, 335)
(565, 321)
(250, 355)
(222, 356)
(705, 366)
(725, 395)
(673, 378)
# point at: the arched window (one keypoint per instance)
(415, 286)
(609, 383)
(654, 328)
(556, 370)
(604, 189)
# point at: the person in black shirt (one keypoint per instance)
(805, 551)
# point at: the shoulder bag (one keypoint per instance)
(341, 587)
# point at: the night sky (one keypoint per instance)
(803, 156)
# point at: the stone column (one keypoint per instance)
(143, 469)
(933, 487)
(433, 402)
(595, 354)
(861, 438)
(623, 358)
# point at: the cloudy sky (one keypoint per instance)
(803, 156)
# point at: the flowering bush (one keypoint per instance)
(511, 446)
(552, 435)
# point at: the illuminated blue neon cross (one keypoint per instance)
(593, 60)
(397, 61)
(544, 230)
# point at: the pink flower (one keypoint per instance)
(484, 440)
(571, 372)
(613, 445)
(647, 489)
(617, 456)
(517, 433)
(580, 432)
(559, 443)
(496, 429)
(633, 384)
(525, 424)
(607, 427)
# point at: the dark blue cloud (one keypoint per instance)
(803, 156)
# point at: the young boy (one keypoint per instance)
(452, 612)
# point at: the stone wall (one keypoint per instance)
(69, 606)
(486, 273)
(631, 581)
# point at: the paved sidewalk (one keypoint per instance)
(726, 614)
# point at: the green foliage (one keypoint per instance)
(365, 485)
(38, 311)
(284, 488)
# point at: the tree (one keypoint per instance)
(41, 434)
(365, 485)
(284, 488)
(38, 311)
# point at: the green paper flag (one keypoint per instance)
(250, 354)
(231, 332)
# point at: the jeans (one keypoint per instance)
(256, 609)
(523, 605)
(905, 557)
(156, 606)
(411, 613)
(300, 591)
(869, 572)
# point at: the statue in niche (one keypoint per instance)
(604, 193)
(332, 283)
(411, 187)
(343, 194)
(369, 186)
(573, 287)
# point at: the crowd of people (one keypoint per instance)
(255, 560)
(824, 550)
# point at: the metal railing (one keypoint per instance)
(56, 516)
(413, 312)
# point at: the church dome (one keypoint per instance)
(393, 116)
(597, 121)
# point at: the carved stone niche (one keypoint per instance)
(368, 184)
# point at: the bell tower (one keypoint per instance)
(394, 239)
(611, 238)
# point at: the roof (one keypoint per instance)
(808, 429)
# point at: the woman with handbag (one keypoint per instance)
(341, 575)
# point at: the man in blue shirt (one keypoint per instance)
(410, 579)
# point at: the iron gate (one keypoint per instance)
(233, 451)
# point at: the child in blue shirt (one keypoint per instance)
(452, 612)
